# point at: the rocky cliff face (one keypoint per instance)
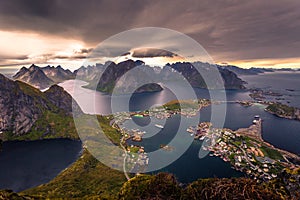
(23, 106)
(17, 111)
(61, 99)
(43, 77)
(112, 77)
(190, 71)
(231, 80)
(57, 74)
(34, 76)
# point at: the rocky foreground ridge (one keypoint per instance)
(26, 110)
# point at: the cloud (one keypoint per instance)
(150, 52)
(229, 30)
(126, 54)
(84, 51)
(13, 57)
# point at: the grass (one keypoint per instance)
(52, 125)
(87, 178)
(113, 134)
(281, 109)
(182, 104)
(271, 153)
(52, 122)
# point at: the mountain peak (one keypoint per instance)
(43, 77)
(33, 67)
(56, 92)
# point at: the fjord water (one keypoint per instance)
(282, 133)
(285, 83)
(28, 164)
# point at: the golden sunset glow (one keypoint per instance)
(32, 36)
(268, 63)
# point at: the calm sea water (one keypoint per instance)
(280, 132)
(286, 83)
(28, 164)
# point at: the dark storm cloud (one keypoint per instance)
(67, 57)
(228, 30)
(150, 52)
(90, 20)
(84, 51)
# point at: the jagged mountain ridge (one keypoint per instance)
(27, 110)
(111, 73)
(58, 74)
(34, 76)
(43, 77)
(242, 71)
(103, 77)
(193, 72)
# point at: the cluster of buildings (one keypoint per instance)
(242, 152)
(245, 155)
(138, 161)
(200, 131)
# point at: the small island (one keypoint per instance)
(283, 111)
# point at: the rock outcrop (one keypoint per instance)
(18, 112)
(112, 77)
(23, 107)
(194, 73)
(34, 76)
(57, 74)
(60, 98)
(43, 77)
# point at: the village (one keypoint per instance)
(244, 148)
(246, 153)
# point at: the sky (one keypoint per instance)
(252, 33)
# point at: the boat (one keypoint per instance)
(192, 134)
(202, 138)
(190, 130)
(159, 126)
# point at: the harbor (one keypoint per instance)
(244, 149)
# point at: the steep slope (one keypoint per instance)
(87, 178)
(190, 72)
(165, 186)
(57, 74)
(43, 77)
(27, 113)
(114, 74)
(34, 76)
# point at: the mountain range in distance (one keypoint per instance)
(43, 77)
(111, 73)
